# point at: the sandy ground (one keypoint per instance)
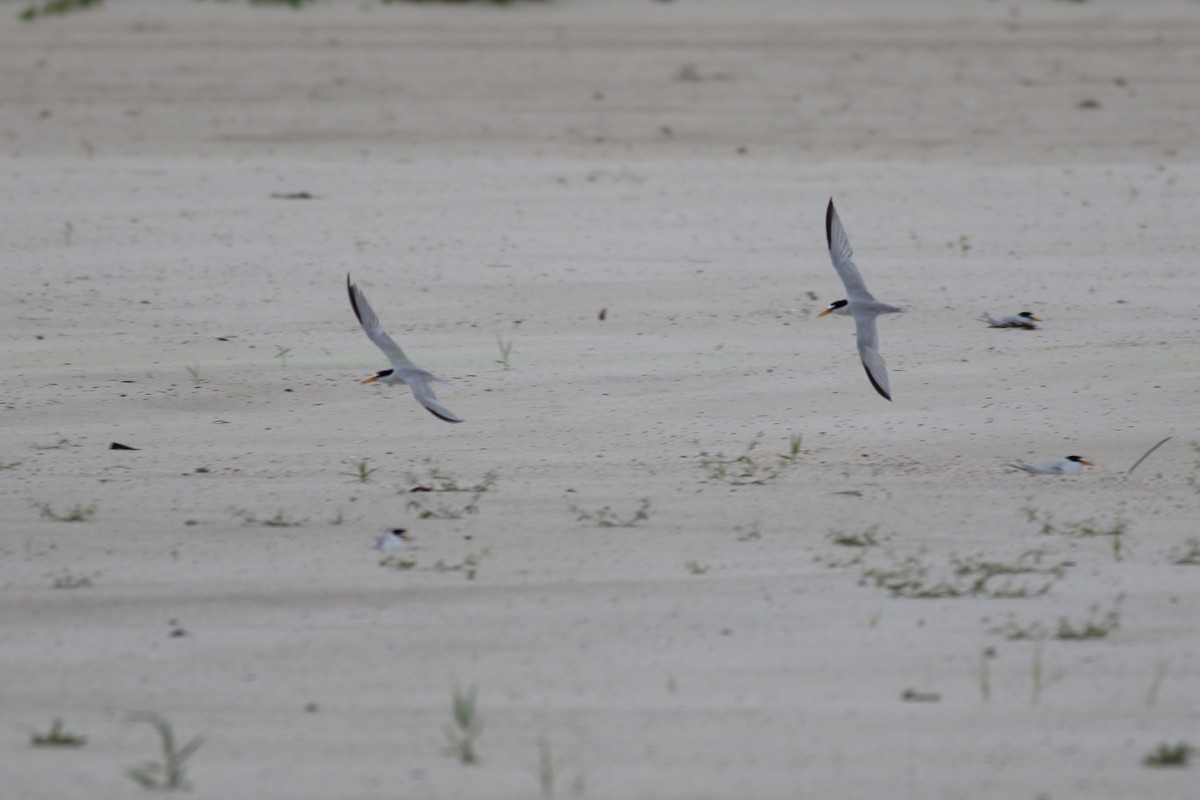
(510, 172)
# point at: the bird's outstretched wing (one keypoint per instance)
(419, 384)
(868, 351)
(843, 257)
(374, 330)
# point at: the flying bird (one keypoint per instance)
(403, 371)
(1024, 320)
(859, 303)
(1071, 465)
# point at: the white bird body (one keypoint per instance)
(1024, 320)
(1071, 465)
(394, 539)
(403, 371)
(859, 303)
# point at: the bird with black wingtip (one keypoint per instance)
(859, 303)
(403, 371)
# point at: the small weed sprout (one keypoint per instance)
(985, 673)
(1169, 755)
(505, 348)
(1036, 679)
(9, 465)
(170, 773)
(360, 472)
(607, 518)
(194, 371)
(867, 538)
(751, 535)
(61, 444)
(1094, 626)
(69, 581)
(547, 767)
(467, 727)
(282, 354)
(749, 468)
(794, 445)
(57, 736)
(696, 568)
(1187, 553)
(280, 520)
(76, 513)
(400, 563)
(1160, 673)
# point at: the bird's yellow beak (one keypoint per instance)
(826, 311)
(1036, 319)
(371, 379)
(1085, 461)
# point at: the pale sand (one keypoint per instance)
(511, 171)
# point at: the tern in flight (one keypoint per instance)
(1071, 465)
(1024, 320)
(403, 371)
(859, 302)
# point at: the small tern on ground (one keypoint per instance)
(394, 539)
(1071, 465)
(403, 371)
(1024, 320)
(859, 302)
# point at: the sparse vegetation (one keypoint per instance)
(76, 513)
(194, 372)
(607, 518)
(469, 566)
(280, 520)
(282, 354)
(1169, 755)
(397, 562)
(61, 444)
(170, 773)
(467, 727)
(964, 577)
(867, 538)
(1095, 625)
(57, 736)
(1089, 527)
(696, 568)
(9, 465)
(1187, 553)
(435, 481)
(750, 468)
(70, 581)
(56, 7)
